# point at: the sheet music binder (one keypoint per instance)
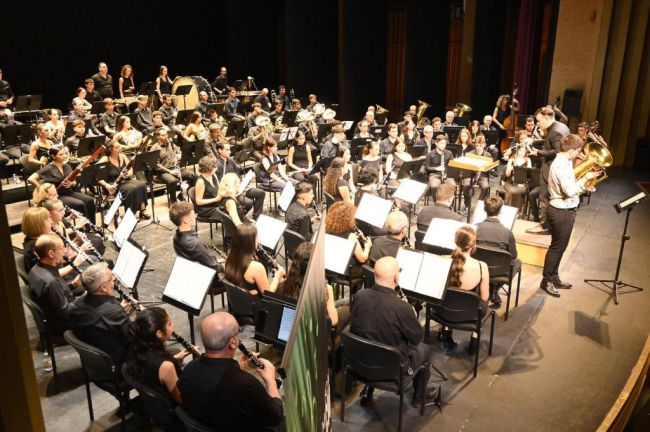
(187, 285)
(423, 275)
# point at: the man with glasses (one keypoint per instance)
(47, 288)
(216, 390)
(99, 318)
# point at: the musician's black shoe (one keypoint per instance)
(561, 285)
(473, 346)
(550, 288)
(447, 340)
(144, 216)
(495, 299)
(366, 395)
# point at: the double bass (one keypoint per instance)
(510, 123)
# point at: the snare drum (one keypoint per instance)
(191, 100)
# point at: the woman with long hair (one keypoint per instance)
(147, 360)
(39, 150)
(242, 268)
(464, 140)
(195, 131)
(474, 130)
(299, 159)
(341, 223)
(371, 157)
(163, 82)
(334, 183)
(409, 134)
(206, 190)
(36, 221)
(228, 191)
(127, 137)
(395, 160)
(125, 84)
(467, 274)
(515, 192)
(80, 99)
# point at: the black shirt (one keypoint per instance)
(144, 119)
(5, 91)
(104, 86)
(383, 246)
(101, 321)
(434, 158)
(491, 232)
(220, 83)
(438, 211)
(188, 245)
(51, 174)
(168, 114)
(298, 219)
(107, 120)
(217, 392)
(380, 315)
(226, 166)
(51, 292)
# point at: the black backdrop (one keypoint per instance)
(336, 49)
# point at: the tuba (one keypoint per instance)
(463, 108)
(598, 158)
(381, 110)
(422, 108)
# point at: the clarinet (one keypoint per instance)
(185, 344)
(315, 207)
(84, 239)
(400, 293)
(360, 237)
(407, 243)
(71, 263)
(267, 259)
(74, 247)
(135, 304)
(217, 250)
(258, 364)
(86, 222)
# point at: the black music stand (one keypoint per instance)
(462, 121)
(379, 132)
(323, 131)
(147, 88)
(459, 174)
(455, 149)
(360, 142)
(356, 153)
(98, 107)
(88, 145)
(184, 90)
(147, 163)
(191, 152)
(235, 128)
(491, 137)
(183, 116)
(416, 151)
(410, 168)
(289, 117)
(613, 285)
(452, 132)
(28, 103)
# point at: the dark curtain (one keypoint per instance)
(526, 53)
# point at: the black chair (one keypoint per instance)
(48, 340)
(368, 276)
(228, 229)
(157, 405)
(20, 268)
(240, 303)
(292, 240)
(379, 366)
(329, 199)
(460, 310)
(192, 194)
(437, 250)
(191, 424)
(502, 270)
(273, 201)
(98, 367)
(17, 139)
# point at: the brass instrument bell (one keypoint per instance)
(463, 108)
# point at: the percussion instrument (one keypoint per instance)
(191, 100)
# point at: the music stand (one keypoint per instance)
(613, 285)
(98, 107)
(191, 152)
(289, 117)
(379, 132)
(88, 145)
(147, 88)
(455, 149)
(452, 132)
(235, 128)
(462, 121)
(129, 265)
(360, 142)
(220, 108)
(491, 137)
(183, 116)
(416, 151)
(28, 102)
(184, 90)
(323, 131)
(187, 287)
(148, 162)
(459, 174)
(410, 168)
(356, 153)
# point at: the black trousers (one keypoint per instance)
(81, 202)
(560, 223)
(544, 198)
(253, 198)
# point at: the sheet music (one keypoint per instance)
(125, 228)
(506, 216)
(286, 196)
(110, 214)
(288, 133)
(269, 231)
(129, 263)
(434, 272)
(337, 253)
(286, 323)
(373, 210)
(410, 262)
(442, 233)
(410, 191)
(243, 184)
(347, 125)
(188, 282)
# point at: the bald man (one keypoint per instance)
(215, 389)
(388, 245)
(379, 314)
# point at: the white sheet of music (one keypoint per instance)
(188, 282)
(410, 262)
(286, 196)
(269, 231)
(337, 253)
(288, 133)
(434, 272)
(128, 264)
(125, 228)
(506, 216)
(243, 184)
(442, 233)
(110, 213)
(373, 210)
(410, 191)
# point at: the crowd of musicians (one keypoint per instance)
(72, 282)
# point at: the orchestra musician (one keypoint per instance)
(395, 160)
(103, 81)
(55, 125)
(564, 192)
(397, 225)
(158, 123)
(202, 107)
(263, 99)
(147, 359)
(36, 221)
(273, 173)
(195, 131)
(125, 84)
(482, 179)
(133, 192)
(211, 117)
(449, 120)
(465, 142)
(277, 112)
(369, 118)
(335, 183)
(298, 218)
(427, 139)
(57, 213)
(299, 159)
(39, 151)
(143, 115)
(206, 192)
(108, 119)
(127, 138)
(436, 164)
(386, 145)
(436, 123)
(405, 119)
(409, 134)
(220, 83)
(78, 113)
(501, 112)
(313, 101)
(168, 110)
(242, 268)
(554, 131)
(230, 399)
(333, 142)
(441, 209)
(163, 82)
(56, 173)
(229, 204)
(474, 129)
(515, 192)
(371, 157)
(187, 243)
(282, 96)
(256, 111)
(6, 94)
(42, 192)
(72, 142)
(231, 105)
(80, 98)
(362, 130)
(340, 222)
(296, 105)
(92, 95)
(168, 171)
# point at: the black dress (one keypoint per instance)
(151, 376)
(301, 160)
(165, 86)
(134, 192)
(70, 197)
(209, 211)
(240, 209)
